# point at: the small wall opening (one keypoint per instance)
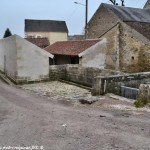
(132, 58)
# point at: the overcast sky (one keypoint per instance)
(13, 13)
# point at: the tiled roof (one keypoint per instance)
(143, 28)
(72, 48)
(45, 26)
(40, 42)
(128, 13)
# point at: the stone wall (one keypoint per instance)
(100, 23)
(78, 74)
(112, 84)
(134, 50)
(126, 49)
(144, 92)
(112, 48)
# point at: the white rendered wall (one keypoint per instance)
(8, 50)
(32, 61)
(94, 56)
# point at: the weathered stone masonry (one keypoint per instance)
(102, 81)
(100, 23)
(78, 74)
(112, 84)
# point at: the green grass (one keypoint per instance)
(141, 102)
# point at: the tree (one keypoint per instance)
(7, 33)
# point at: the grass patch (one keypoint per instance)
(141, 102)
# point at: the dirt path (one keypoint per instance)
(27, 119)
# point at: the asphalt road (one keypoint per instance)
(27, 119)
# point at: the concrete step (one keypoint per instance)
(5, 79)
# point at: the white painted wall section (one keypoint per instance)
(8, 56)
(22, 60)
(32, 61)
(95, 56)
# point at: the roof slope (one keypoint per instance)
(72, 48)
(143, 28)
(129, 14)
(40, 42)
(45, 26)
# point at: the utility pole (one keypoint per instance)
(86, 12)
(86, 17)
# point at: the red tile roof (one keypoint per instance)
(72, 48)
(40, 42)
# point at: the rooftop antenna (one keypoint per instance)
(113, 1)
(122, 2)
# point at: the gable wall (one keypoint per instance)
(101, 22)
(95, 56)
(32, 62)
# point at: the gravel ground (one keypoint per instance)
(57, 90)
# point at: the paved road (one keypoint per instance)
(29, 120)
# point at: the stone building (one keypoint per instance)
(127, 32)
(51, 29)
(23, 61)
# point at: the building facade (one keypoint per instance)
(51, 29)
(23, 61)
(127, 32)
(89, 53)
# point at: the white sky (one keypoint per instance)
(13, 13)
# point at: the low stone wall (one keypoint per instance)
(57, 72)
(144, 92)
(112, 84)
(143, 97)
(78, 74)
